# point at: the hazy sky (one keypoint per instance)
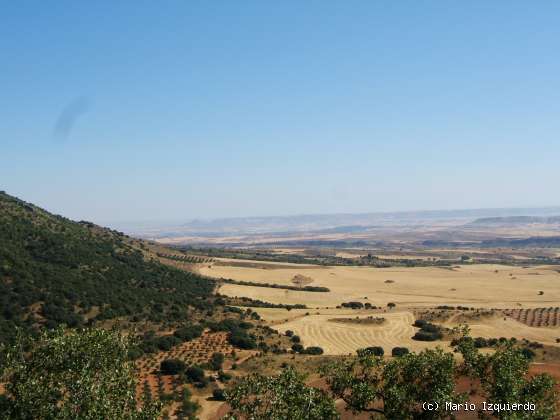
(154, 110)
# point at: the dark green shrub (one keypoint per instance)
(172, 366)
(194, 374)
(218, 394)
(399, 351)
(297, 348)
(216, 361)
(314, 350)
(189, 332)
(374, 350)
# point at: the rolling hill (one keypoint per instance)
(56, 271)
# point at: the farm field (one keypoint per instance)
(152, 384)
(343, 338)
(315, 329)
(509, 327)
(520, 296)
(483, 286)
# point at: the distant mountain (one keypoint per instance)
(56, 271)
(516, 220)
(322, 223)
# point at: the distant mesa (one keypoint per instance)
(515, 220)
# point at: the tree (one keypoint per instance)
(188, 406)
(394, 388)
(216, 361)
(172, 366)
(297, 348)
(503, 376)
(374, 351)
(218, 394)
(391, 305)
(195, 374)
(399, 351)
(72, 374)
(239, 338)
(279, 397)
(313, 350)
(189, 332)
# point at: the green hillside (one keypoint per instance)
(56, 271)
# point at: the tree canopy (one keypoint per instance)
(72, 375)
(285, 396)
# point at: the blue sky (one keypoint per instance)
(129, 111)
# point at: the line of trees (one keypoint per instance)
(277, 286)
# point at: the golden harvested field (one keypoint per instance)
(479, 286)
(339, 338)
(315, 329)
(484, 286)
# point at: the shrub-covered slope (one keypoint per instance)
(56, 271)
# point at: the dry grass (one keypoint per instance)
(484, 286)
(412, 289)
(345, 338)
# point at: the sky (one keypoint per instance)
(173, 110)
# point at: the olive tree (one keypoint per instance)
(281, 397)
(72, 374)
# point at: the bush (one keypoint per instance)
(223, 377)
(480, 342)
(431, 328)
(166, 342)
(374, 350)
(135, 353)
(189, 333)
(172, 366)
(218, 394)
(314, 350)
(419, 323)
(297, 348)
(242, 340)
(188, 407)
(202, 383)
(528, 353)
(427, 336)
(296, 339)
(216, 361)
(195, 374)
(399, 351)
(428, 331)
(352, 305)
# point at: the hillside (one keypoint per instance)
(56, 271)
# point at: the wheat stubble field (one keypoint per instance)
(482, 286)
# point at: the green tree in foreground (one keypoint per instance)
(398, 387)
(395, 388)
(279, 397)
(72, 375)
(503, 377)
